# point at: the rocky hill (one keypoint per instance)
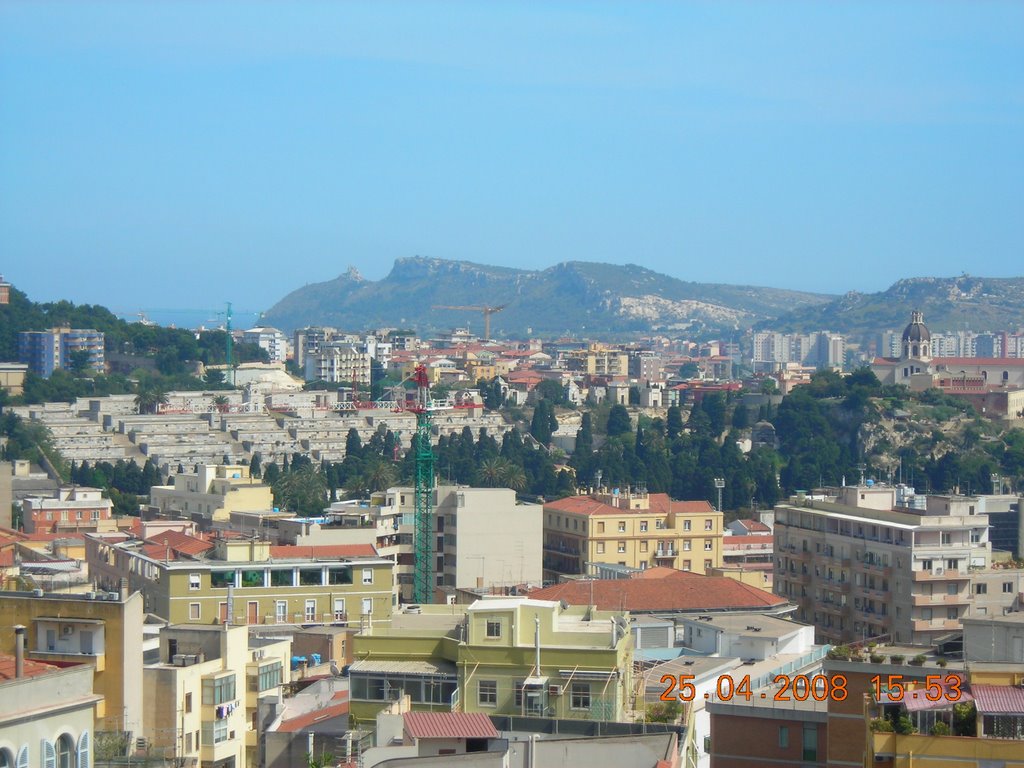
(573, 297)
(953, 303)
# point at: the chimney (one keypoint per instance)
(19, 650)
(123, 589)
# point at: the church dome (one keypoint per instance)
(917, 331)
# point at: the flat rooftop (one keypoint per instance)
(748, 624)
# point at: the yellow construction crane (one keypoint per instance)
(488, 311)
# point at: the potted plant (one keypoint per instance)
(897, 658)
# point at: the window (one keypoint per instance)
(493, 628)
(194, 581)
(1007, 586)
(281, 611)
(708, 545)
(600, 527)
(188, 702)
(65, 750)
(687, 545)
(686, 565)
(709, 525)
(951, 614)
(643, 526)
(621, 547)
(707, 564)
(810, 743)
(783, 737)
(518, 684)
(575, 524)
(311, 577)
(951, 588)
(946, 538)
(659, 525)
(686, 525)
(269, 676)
(310, 612)
(643, 546)
(953, 564)
(367, 606)
(622, 526)
(252, 578)
(339, 575)
(580, 697)
(975, 537)
(188, 741)
(926, 565)
(487, 693)
(981, 589)
(222, 579)
(367, 575)
(194, 611)
(219, 690)
(282, 578)
(216, 731)
(600, 547)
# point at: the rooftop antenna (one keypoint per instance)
(862, 466)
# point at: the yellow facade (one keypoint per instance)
(627, 529)
(213, 493)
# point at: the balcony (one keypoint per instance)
(935, 625)
(874, 568)
(64, 659)
(961, 598)
(939, 574)
(666, 554)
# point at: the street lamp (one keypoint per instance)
(719, 484)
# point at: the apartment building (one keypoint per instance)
(631, 528)
(47, 351)
(859, 568)
(338, 362)
(102, 630)
(599, 360)
(46, 714)
(204, 694)
(74, 508)
(511, 656)
(210, 494)
(270, 340)
(484, 538)
(247, 581)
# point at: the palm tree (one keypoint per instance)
(221, 403)
(149, 399)
(493, 471)
(379, 476)
(514, 477)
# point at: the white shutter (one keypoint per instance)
(48, 754)
(84, 751)
(22, 761)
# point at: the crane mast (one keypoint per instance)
(423, 513)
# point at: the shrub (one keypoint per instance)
(881, 725)
(840, 652)
(872, 645)
(897, 658)
(877, 658)
(918, 660)
(940, 729)
(942, 663)
(904, 725)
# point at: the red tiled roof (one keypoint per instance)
(302, 722)
(9, 534)
(181, 543)
(754, 526)
(449, 725)
(32, 668)
(745, 542)
(998, 699)
(158, 552)
(659, 504)
(1008, 362)
(7, 557)
(682, 592)
(285, 551)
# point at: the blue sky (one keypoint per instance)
(183, 154)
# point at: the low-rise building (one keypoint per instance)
(631, 528)
(101, 630)
(502, 656)
(74, 508)
(243, 581)
(210, 494)
(47, 714)
(205, 692)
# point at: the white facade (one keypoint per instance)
(271, 340)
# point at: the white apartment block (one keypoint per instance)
(339, 363)
(271, 340)
(821, 350)
(857, 568)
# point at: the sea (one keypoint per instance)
(193, 318)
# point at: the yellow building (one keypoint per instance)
(476, 370)
(634, 529)
(204, 692)
(101, 628)
(599, 360)
(243, 581)
(211, 493)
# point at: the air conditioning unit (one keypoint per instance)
(554, 690)
(67, 630)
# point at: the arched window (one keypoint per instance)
(914, 353)
(6, 759)
(1006, 376)
(65, 752)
